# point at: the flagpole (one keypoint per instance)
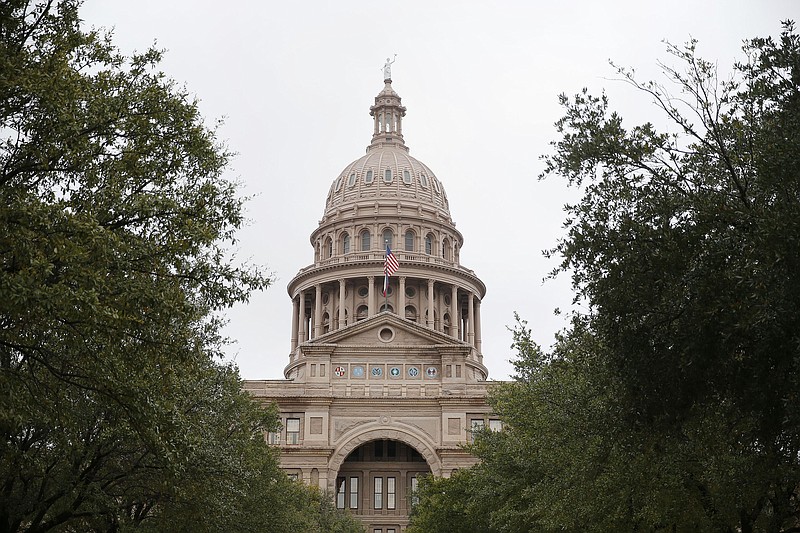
(386, 276)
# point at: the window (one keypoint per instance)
(378, 493)
(423, 180)
(353, 493)
(293, 476)
(274, 437)
(341, 484)
(388, 238)
(328, 248)
(351, 180)
(365, 244)
(409, 241)
(345, 243)
(429, 244)
(387, 175)
(391, 490)
(435, 184)
(495, 425)
(361, 312)
(411, 313)
(476, 425)
(414, 488)
(407, 177)
(339, 183)
(292, 431)
(368, 177)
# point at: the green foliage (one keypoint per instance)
(115, 225)
(672, 403)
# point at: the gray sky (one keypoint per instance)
(294, 82)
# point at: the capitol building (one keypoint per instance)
(381, 389)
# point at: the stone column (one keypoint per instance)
(478, 326)
(371, 296)
(471, 319)
(401, 297)
(341, 303)
(295, 323)
(454, 320)
(430, 321)
(318, 312)
(301, 316)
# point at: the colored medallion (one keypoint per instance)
(339, 371)
(413, 371)
(377, 371)
(358, 371)
(394, 371)
(431, 371)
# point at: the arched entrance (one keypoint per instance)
(376, 480)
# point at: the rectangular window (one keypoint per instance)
(378, 494)
(391, 490)
(476, 425)
(414, 488)
(353, 493)
(292, 431)
(273, 437)
(495, 425)
(387, 175)
(340, 492)
(292, 476)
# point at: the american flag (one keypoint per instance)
(390, 266)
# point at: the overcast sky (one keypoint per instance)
(294, 82)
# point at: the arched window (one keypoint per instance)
(365, 244)
(446, 249)
(387, 307)
(388, 238)
(429, 244)
(409, 241)
(361, 312)
(326, 323)
(328, 248)
(345, 243)
(411, 313)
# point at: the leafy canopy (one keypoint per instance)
(116, 221)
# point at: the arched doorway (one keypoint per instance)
(376, 482)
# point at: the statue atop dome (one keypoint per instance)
(387, 68)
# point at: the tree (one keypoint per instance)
(115, 223)
(672, 403)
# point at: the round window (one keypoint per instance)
(411, 292)
(363, 291)
(386, 334)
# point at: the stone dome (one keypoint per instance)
(387, 172)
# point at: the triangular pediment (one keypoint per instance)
(386, 329)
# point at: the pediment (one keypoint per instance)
(385, 329)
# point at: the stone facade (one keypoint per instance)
(381, 388)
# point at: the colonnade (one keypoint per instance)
(312, 304)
